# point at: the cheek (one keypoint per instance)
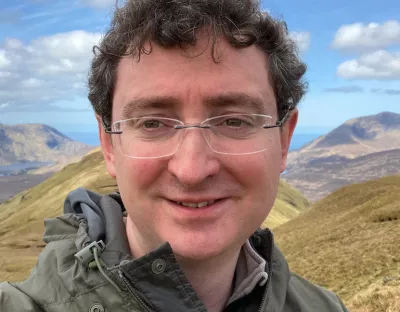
(260, 168)
(136, 175)
(259, 174)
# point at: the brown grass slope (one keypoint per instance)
(21, 218)
(349, 243)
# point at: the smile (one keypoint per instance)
(196, 205)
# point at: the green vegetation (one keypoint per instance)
(288, 204)
(21, 218)
(349, 243)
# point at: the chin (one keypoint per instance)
(196, 248)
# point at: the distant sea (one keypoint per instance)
(91, 138)
(301, 139)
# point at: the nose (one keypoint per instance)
(194, 162)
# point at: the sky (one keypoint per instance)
(351, 48)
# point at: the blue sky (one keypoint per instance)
(352, 49)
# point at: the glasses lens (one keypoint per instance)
(148, 137)
(237, 134)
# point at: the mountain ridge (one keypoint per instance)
(37, 143)
(320, 166)
(362, 128)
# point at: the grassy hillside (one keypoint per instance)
(349, 242)
(21, 218)
(288, 204)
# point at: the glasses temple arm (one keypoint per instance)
(280, 122)
(107, 129)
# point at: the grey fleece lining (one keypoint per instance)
(250, 271)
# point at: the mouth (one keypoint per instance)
(196, 205)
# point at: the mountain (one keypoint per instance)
(349, 243)
(361, 149)
(321, 176)
(37, 143)
(21, 218)
(372, 129)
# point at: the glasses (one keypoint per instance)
(156, 137)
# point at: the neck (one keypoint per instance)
(212, 279)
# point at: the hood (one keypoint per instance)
(96, 218)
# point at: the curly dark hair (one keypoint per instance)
(175, 23)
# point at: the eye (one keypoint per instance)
(152, 124)
(235, 122)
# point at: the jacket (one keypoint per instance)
(86, 266)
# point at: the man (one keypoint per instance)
(196, 106)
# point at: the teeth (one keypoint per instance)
(196, 205)
(203, 204)
(192, 205)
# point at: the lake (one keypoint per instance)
(19, 168)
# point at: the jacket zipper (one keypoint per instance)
(264, 299)
(133, 292)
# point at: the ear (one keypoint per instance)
(107, 148)
(286, 136)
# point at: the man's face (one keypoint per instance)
(243, 187)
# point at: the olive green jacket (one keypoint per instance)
(86, 266)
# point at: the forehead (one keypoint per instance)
(189, 78)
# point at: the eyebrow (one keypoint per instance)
(143, 104)
(251, 102)
(240, 99)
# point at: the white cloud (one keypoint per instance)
(46, 69)
(13, 44)
(345, 89)
(386, 91)
(4, 105)
(376, 65)
(4, 61)
(302, 40)
(360, 37)
(5, 74)
(31, 83)
(100, 4)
